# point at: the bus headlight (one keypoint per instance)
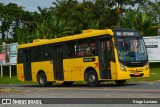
(147, 66)
(122, 67)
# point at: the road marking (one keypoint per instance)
(7, 90)
(68, 88)
(105, 89)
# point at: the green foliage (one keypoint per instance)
(51, 28)
(136, 19)
(23, 35)
(13, 80)
(67, 17)
(11, 16)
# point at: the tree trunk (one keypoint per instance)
(3, 36)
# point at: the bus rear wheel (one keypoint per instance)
(92, 79)
(42, 79)
(120, 82)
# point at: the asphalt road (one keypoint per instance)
(150, 89)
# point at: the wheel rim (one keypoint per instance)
(41, 80)
(92, 78)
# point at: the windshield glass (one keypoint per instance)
(131, 48)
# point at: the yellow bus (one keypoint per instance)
(93, 56)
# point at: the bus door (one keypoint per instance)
(27, 65)
(104, 55)
(58, 63)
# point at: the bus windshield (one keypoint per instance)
(131, 49)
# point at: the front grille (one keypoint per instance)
(133, 71)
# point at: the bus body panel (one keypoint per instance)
(74, 68)
(20, 72)
(46, 66)
(146, 73)
(68, 38)
(138, 71)
(121, 75)
(132, 72)
(113, 70)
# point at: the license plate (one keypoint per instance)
(136, 73)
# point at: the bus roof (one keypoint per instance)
(85, 34)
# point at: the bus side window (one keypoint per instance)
(46, 52)
(37, 53)
(20, 56)
(70, 49)
(86, 47)
(110, 50)
(82, 49)
(92, 49)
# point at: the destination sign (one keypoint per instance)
(127, 33)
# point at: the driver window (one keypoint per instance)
(133, 45)
(122, 46)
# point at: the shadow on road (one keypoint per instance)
(76, 86)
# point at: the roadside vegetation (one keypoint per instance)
(13, 80)
(68, 17)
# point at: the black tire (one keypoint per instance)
(42, 79)
(120, 82)
(67, 83)
(92, 79)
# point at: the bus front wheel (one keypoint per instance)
(92, 79)
(120, 82)
(42, 79)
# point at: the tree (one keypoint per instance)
(140, 20)
(59, 28)
(23, 35)
(4, 21)
(11, 18)
(48, 27)
(152, 9)
(63, 9)
(67, 17)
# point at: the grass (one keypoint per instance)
(13, 80)
(154, 75)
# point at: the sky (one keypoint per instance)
(30, 5)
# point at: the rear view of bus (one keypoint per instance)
(132, 59)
